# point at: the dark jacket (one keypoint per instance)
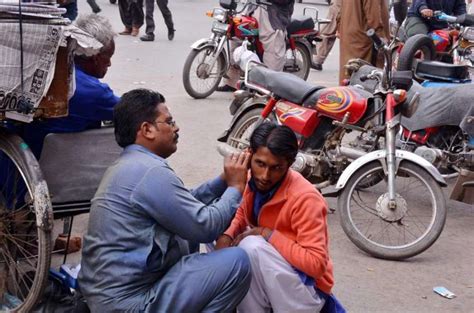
(450, 7)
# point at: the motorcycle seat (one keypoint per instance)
(434, 70)
(298, 23)
(284, 85)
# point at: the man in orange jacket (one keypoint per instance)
(281, 224)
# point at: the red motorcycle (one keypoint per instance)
(380, 189)
(210, 58)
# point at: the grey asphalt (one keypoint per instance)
(363, 284)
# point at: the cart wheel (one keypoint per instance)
(25, 226)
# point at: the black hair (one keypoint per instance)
(134, 108)
(279, 139)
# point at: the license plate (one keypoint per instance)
(220, 27)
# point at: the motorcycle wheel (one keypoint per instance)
(239, 136)
(25, 222)
(416, 47)
(300, 63)
(390, 234)
(200, 82)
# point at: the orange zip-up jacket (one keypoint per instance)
(297, 215)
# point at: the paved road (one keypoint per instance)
(363, 284)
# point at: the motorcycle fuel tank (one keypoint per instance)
(301, 120)
(441, 39)
(336, 102)
(245, 26)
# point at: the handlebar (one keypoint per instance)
(441, 16)
(373, 75)
(376, 39)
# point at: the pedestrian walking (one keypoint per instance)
(329, 35)
(94, 6)
(357, 16)
(150, 23)
(131, 13)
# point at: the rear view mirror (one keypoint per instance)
(228, 4)
(400, 8)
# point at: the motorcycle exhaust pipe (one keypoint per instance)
(350, 152)
(225, 149)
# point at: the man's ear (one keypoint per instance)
(145, 130)
(95, 58)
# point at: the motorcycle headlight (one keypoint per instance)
(219, 14)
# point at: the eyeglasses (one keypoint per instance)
(171, 123)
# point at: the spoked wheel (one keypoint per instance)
(368, 142)
(298, 61)
(200, 76)
(392, 233)
(25, 226)
(240, 133)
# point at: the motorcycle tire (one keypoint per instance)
(239, 136)
(360, 221)
(213, 79)
(413, 46)
(303, 56)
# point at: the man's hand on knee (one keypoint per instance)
(224, 241)
(255, 231)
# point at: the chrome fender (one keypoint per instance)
(203, 42)
(246, 105)
(207, 42)
(380, 155)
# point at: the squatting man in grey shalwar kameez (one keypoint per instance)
(144, 224)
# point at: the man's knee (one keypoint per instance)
(238, 258)
(253, 244)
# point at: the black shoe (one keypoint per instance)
(113, 1)
(147, 37)
(170, 34)
(96, 10)
(226, 88)
(317, 66)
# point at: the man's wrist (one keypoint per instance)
(225, 237)
(266, 233)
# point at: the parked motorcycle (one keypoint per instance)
(404, 213)
(210, 58)
(453, 45)
(440, 131)
(390, 201)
